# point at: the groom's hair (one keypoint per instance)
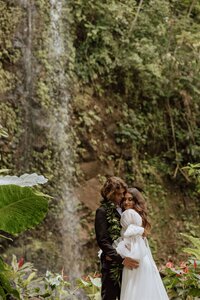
(111, 186)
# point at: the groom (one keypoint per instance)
(107, 223)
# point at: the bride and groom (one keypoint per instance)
(121, 226)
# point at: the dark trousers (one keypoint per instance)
(110, 290)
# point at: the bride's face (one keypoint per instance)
(128, 201)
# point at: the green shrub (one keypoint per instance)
(183, 282)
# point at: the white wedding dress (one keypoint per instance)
(143, 283)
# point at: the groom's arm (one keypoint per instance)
(105, 243)
(103, 239)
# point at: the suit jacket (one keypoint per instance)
(103, 238)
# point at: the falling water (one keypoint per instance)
(46, 128)
(60, 132)
(50, 125)
(24, 42)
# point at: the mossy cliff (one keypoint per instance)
(171, 209)
(35, 108)
(84, 96)
(136, 108)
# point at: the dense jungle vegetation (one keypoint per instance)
(145, 56)
(133, 75)
(138, 67)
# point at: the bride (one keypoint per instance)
(143, 283)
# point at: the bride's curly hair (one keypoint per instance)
(139, 206)
(111, 186)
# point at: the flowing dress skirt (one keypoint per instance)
(143, 283)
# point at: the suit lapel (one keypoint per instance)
(117, 214)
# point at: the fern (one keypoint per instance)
(196, 243)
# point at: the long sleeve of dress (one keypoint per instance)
(132, 244)
(133, 230)
(102, 235)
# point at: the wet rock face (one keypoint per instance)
(89, 193)
(35, 111)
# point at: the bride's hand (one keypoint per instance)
(130, 263)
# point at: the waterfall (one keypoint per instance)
(47, 126)
(23, 41)
(60, 131)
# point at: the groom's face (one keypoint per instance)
(118, 196)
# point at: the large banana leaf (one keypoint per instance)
(21, 208)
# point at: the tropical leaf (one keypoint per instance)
(23, 180)
(194, 252)
(196, 243)
(21, 208)
(84, 283)
(5, 285)
(96, 281)
(2, 293)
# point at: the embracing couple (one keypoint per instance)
(127, 266)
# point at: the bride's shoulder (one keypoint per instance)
(131, 215)
(130, 211)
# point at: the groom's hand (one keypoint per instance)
(130, 263)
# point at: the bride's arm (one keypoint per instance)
(133, 243)
(134, 230)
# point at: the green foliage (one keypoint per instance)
(149, 57)
(193, 171)
(113, 221)
(88, 119)
(10, 16)
(20, 208)
(196, 243)
(43, 94)
(3, 132)
(114, 233)
(183, 282)
(91, 285)
(12, 129)
(135, 132)
(5, 285)
(23, 282)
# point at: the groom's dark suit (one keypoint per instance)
(110, 289)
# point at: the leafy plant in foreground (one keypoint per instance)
(28, 284)
(91, 284)
(21, 207)
(183, 282)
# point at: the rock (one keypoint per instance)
(90, 169)
(94, 168)
(89, 193)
